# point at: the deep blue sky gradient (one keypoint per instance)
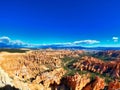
(53, 21)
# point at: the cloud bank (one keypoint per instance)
(6, 42)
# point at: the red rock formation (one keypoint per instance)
(97, 84)
(24, 68)
(28, 65)
(110, 54)
(49, 78)
(95, 65)
(77, 82)
(115, 85)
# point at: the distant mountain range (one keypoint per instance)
(79, 48)
(2, 45)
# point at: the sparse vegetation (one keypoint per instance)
(68, 61)
(13, 50)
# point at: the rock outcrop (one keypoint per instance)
(77, 82)
(114, 85)
(50, 78)
(97, 84)
(4, 79)
(88, 63)
(33, 70)
(109, 54)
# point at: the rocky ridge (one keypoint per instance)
(111, 68)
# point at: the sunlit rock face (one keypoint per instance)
(4, 79)
(88, 63)
(28, 65)
(77, 82)
(50, 78)
(97, 84)
(115, 85)
(34, 69)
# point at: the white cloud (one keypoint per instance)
(75, 43)
(67, 43)
(115, 39)
(7, 41)
(17, 42)
(86, 42)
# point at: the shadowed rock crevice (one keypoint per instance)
(8, 87)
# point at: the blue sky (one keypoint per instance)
(61, 21)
